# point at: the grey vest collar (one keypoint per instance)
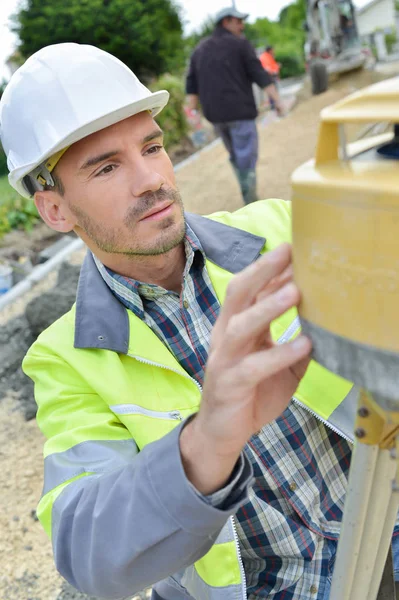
(102, 321)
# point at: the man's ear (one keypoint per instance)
(50, 207)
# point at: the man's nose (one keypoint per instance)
(145, 179)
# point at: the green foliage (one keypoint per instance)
(145, 34)
(172, 119)
(15, 212)
(3, 162)
(292, 65)
(287, 30)
(390, 40)
(293, 16)
(263, 32)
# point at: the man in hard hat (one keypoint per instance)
(222, 71)
(186, 447)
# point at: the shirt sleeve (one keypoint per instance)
(191, 79)
(239, 481)
(253, 66)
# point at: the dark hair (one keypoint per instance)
(268, 48)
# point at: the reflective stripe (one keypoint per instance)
(135, 409)
(198, 589)
(87, 457)
(289, 332)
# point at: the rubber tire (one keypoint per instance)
(318, 77)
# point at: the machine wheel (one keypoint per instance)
(319, 77)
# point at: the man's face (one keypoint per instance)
(120, 190)
(234, 25)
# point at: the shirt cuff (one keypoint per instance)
(231, 490)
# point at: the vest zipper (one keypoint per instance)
(241, 564)
(134, 409)
(326, 423)
(288, 333)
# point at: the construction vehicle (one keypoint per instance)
(333, 45)
(346, 263)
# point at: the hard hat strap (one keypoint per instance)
(42, 175)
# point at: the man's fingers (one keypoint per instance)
(259, 366)
(277, 282)
(246, 327)
(244, 287)
(300, 368)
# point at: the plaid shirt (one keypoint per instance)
(288, 529)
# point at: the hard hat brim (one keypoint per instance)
(153, 103)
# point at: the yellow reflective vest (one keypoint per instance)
(110, 396)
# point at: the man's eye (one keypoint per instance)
(154, 149)
(105, 170)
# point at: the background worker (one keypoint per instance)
(164, 390)
(270, 65)
(222, 70)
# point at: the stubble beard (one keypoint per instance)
(171, 230)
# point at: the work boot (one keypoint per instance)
(247, 181)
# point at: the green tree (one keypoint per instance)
(294, 15)
(263, 32)
(145, 34)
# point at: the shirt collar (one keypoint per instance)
(132, 292)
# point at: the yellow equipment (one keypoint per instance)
(346, 264)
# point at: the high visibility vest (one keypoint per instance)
(269, 63)
(146, 364)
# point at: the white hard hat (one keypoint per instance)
(62, 94)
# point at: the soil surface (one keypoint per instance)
(207, 184)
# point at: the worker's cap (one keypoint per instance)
(230, 11)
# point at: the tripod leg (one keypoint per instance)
(360, 482)
(374, 548)
(371, 552)
(385, 544)
(387, 586)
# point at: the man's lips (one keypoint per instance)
(159, 211)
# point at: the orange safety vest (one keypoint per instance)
(269, 63)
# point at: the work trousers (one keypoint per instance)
(241, 141)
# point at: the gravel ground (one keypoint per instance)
(207, 185)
